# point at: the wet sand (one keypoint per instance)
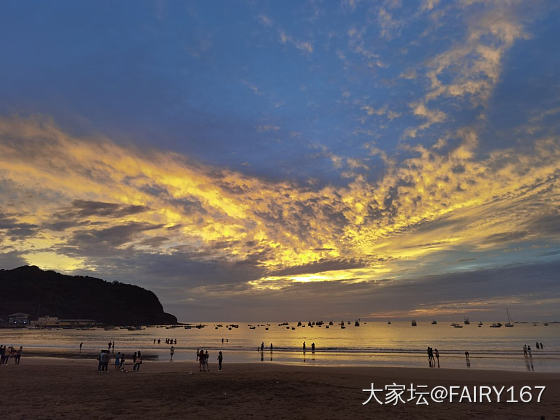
(72, 388)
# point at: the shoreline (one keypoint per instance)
(92, 362)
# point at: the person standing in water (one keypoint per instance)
(437, 356)
(171, 353)
(220, 359)
(81, 345)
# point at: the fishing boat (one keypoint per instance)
(434, 322)
(480, 324)
(413, 323)
(466, 321)
(496, 325)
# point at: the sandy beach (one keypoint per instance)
(72, 388)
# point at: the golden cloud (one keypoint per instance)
(83, 192)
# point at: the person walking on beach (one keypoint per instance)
(525, 350)
(200, 358)
(468, 358)
(2, 354)
(312, 347)
(270, 347)
(262, 346)
(206, 357)
(100, 361)
(81, 345)
(437, 357)
(137, 361)
(118, 360)
(429, 356)
(171, 353)
(18, 355)
(220, 358)
(304, 346)
(121, 364)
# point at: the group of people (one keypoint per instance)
(167, 341)
(304, 347)
(202, 358)
(527, 349)
(104, 357)
(10, 352)
(262, 347)
(433, 356)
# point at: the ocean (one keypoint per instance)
(371, 343)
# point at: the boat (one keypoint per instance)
(466, 321)
(413, 323)
(356, 324)
(480, 324)
(496, 325)
(508, 324)
(434, 322)
(546, 324)
(389, 322)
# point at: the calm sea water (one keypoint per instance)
(372, 343)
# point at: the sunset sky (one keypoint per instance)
(280, 160)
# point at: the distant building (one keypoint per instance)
(18, 320)
(55, 322)
(45, 322)
(72, 323)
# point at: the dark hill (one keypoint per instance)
(36, 292)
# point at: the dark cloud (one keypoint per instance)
(83, 208)
(12, 259)
(547, 224)
(505, 237)
(76, 215)
(14, 229)
(113, 236)
(324, 265)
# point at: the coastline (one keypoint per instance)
(56, 387)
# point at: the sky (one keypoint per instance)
(265, 160)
